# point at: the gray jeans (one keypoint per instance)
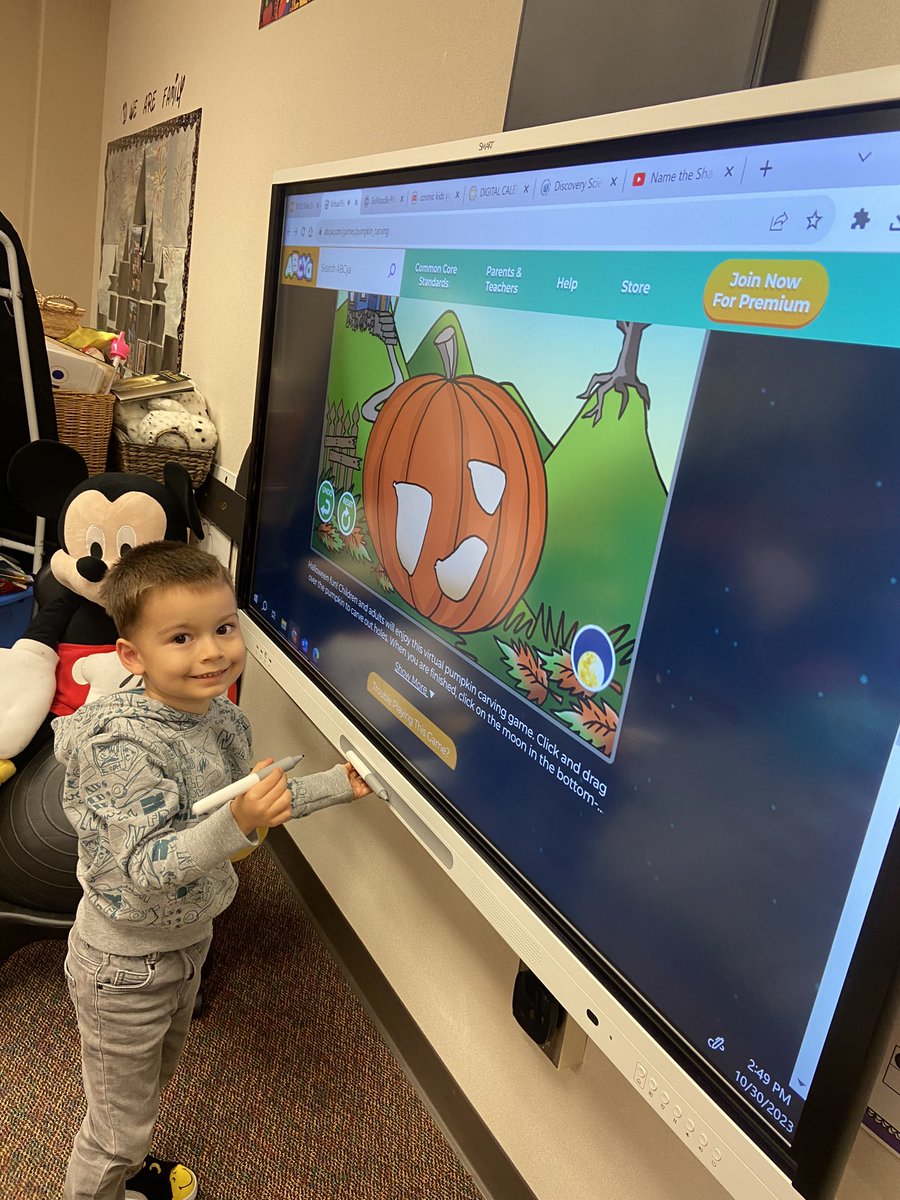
(133, 1016)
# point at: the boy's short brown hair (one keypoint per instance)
(151, 566)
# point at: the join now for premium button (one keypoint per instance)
(779, 293)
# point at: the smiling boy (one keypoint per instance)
(153, 875)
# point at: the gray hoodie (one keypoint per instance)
(154, 876)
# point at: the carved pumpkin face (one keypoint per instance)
(456, 499)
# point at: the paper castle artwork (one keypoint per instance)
(137, 294)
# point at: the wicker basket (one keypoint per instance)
(84, 421)
(60, 315)
(151, 460)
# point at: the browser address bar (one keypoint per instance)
(769, 222)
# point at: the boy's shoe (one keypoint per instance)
(160, 1180)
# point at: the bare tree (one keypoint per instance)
(623, 375)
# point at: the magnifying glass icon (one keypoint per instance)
(392, 270)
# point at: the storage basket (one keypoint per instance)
(60, 315)
(151, 460)
(84, 421)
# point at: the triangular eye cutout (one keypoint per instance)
(456, 573)
(413, 512)
(488, 484)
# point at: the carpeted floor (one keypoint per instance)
(285, 1092)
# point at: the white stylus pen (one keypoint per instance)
(223, 795)
(366, 773)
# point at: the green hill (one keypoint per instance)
(426, 358)
(605, 505)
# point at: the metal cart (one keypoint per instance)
(13, 294)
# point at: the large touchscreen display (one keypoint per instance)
(579, 490)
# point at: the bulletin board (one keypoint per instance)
(145, 250)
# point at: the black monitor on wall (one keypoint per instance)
(575, 519)
(580, 58)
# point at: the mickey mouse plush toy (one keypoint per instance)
(67, 654)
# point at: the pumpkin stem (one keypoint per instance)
(448, 348)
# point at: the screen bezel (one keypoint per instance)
(824, 1133)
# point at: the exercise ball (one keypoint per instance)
(38, 847)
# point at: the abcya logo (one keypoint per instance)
(299, 266)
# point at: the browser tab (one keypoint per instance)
(384, 200)
(500, 191)
(578, 185)
(704, 174)
(430, 197)
(304, 206)
(341, 204)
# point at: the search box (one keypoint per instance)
(360, 269)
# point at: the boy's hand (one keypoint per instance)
(359, 785)
(265, 805)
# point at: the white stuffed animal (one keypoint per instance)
(179, 422)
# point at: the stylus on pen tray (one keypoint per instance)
(223, 795)
(366, 773)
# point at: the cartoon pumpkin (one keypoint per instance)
(455, 495)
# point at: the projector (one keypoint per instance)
(72, 371)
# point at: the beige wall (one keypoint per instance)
(303, 91)
(52, 76)
(336, 79)
(850, 35)
(18, 93)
